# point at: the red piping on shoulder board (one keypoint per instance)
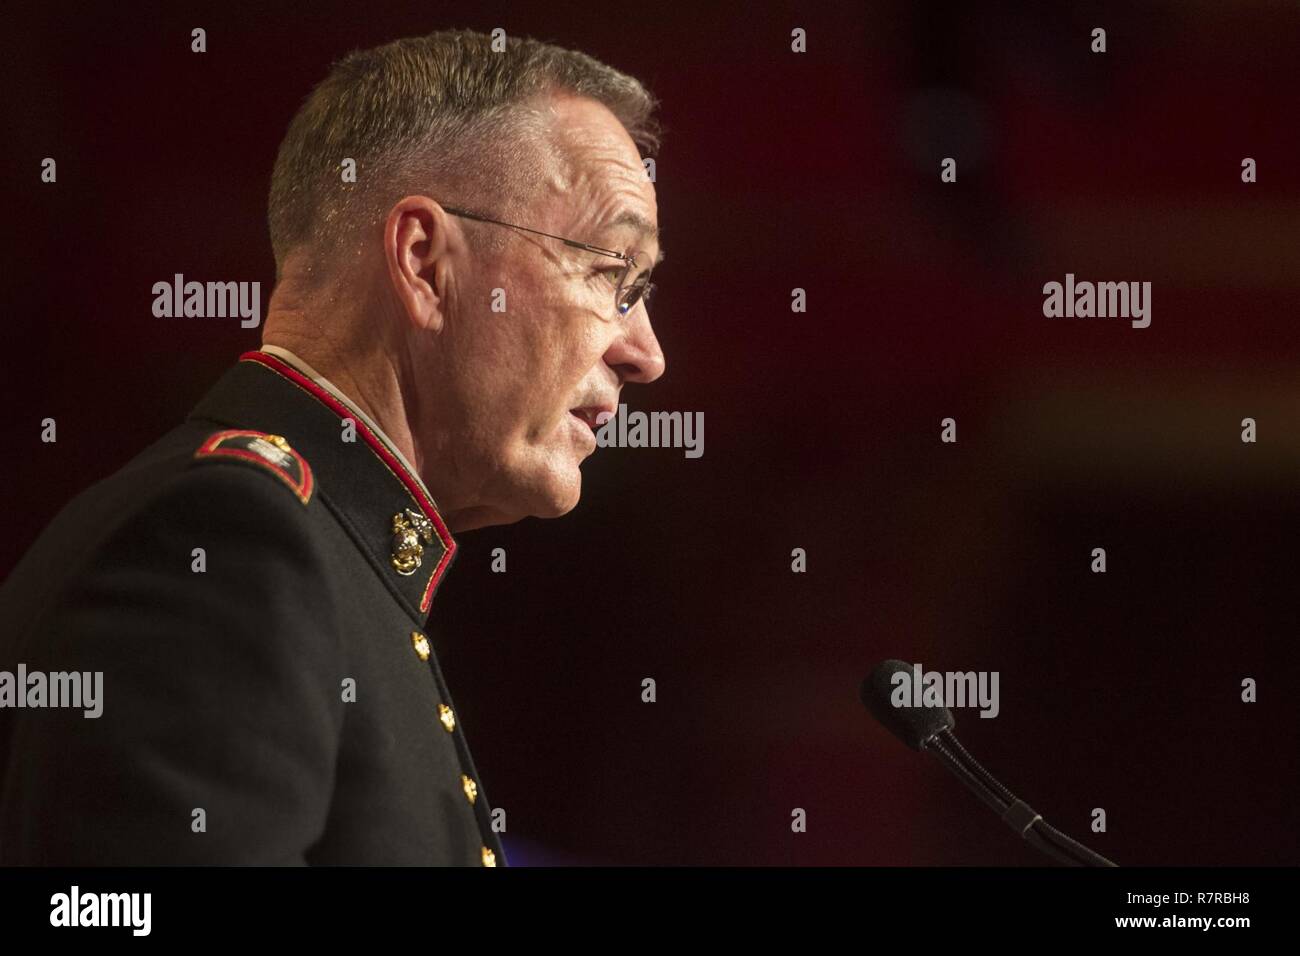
(211, 448)
(376, 446)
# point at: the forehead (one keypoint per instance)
(595, 186)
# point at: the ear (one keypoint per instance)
(418, 236)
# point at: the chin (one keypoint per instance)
(540, 493)
(556, 491)
(538, 482)
(559, 500)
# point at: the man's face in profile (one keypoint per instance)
(531, 381)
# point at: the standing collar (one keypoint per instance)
(367, 483)
(300, 365)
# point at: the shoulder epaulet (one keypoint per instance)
(268, 452)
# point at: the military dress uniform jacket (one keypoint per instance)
(270, 699)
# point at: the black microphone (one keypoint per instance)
(929, 729)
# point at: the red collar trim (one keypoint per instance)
(380, 450)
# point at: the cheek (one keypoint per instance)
(561, 355)
(530, 363)
(575, 368)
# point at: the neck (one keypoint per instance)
(363, 371)
(351, 341)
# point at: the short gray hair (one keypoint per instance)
(442, 108)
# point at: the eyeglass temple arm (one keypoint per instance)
(465, 213)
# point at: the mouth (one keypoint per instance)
(593, 416)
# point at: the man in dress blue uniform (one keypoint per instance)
(464, 238)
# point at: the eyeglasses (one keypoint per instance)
(626, 293)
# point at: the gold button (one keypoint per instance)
(421, 645)
(489, 858)
(471, 788)
(447, 717)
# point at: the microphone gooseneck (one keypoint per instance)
(929, 729)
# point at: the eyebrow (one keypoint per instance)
(638, 222)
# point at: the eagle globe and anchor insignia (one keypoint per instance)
(409, 528)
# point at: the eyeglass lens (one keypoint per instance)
(631, 292)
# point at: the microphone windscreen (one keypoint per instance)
(910, 722)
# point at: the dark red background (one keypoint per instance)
(822, 429)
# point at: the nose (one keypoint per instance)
(635, 353)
